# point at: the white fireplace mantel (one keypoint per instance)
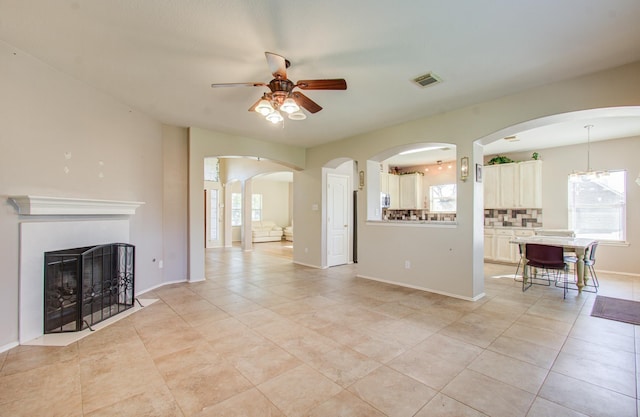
(54, 206)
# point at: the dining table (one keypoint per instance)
(570, 244)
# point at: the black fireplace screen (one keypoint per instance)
(84, 286)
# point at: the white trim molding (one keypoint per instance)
(54, 206)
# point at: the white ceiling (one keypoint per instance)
(160, 56)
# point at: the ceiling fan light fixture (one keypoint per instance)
(264, 107)
(289, 105)
(299, 115)
(275, 117)
(281, 97)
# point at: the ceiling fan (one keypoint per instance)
(282, 97)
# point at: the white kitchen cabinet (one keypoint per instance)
(500, 186)
(491, 186)
(384, 183)
(504, 251)
(497, 246)
(517, 185)
(489, 247)
(410, 191)
(509, 175)
(393, 184)
(530, 184)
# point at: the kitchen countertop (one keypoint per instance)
(412, 222)
(512, 227)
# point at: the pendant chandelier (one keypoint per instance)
(589, 171)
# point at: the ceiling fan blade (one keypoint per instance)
(334, 84)
(238, 85)
(306, 102)
(277, 65)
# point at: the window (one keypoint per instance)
(597, 205)
(211, 169)
(442, 198)
(213, 214)
(256, 207)
(236, 209)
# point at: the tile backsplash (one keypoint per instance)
(417, 215)
(513, 217)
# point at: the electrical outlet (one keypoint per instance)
(407, 264)
(160, 264)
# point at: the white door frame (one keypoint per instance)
(338, 232)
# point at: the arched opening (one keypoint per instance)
(560, 143)
(248, 200)
(416, 182)
(244, 159)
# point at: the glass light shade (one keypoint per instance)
(464, 168)
(264, 107)
(297, 116)
(274, 117)
(289, 106)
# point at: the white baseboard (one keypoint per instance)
(414, 287)
(179, 281)
(8, 346)
(309, 265)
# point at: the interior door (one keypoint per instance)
(337, 219)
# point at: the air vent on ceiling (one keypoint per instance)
(427, 79)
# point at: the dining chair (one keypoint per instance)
(593, 284)
(546, 259)
(516, 277)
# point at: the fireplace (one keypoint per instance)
(84, 286)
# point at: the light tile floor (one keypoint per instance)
(265, 337)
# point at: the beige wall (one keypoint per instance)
(447, 260)
(175, 145)
(559, 162)
(275, 200)
(45, 114)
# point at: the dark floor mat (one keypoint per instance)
(617, 309)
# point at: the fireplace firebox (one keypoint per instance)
(84, 286)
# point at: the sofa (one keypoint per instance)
(288, 233)
(265, 231)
